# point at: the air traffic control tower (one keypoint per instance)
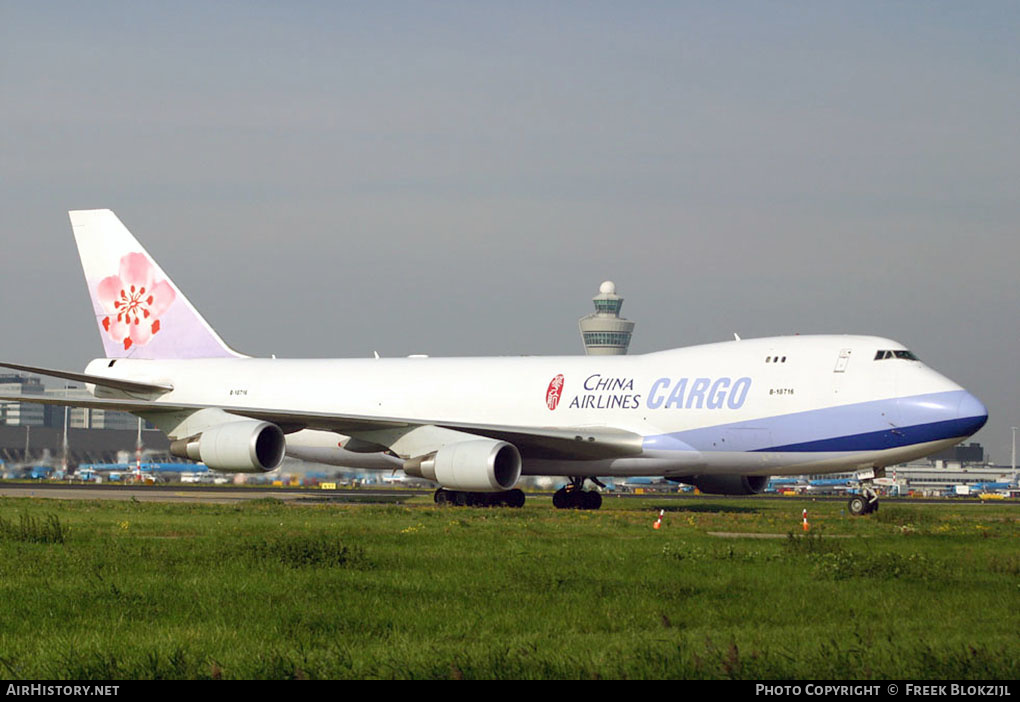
(606, 333)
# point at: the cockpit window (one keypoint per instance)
(883, 354)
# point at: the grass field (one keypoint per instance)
(123, 590)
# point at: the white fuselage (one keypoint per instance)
(778, 405)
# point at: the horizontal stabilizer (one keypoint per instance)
(115, 383)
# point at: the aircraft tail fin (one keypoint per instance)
(139, 310)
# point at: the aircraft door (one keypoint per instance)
(842, 361)
(839, 371)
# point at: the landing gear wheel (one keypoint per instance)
(460, 498)
(572, 496)
(514, 498)
(561, 499)
(867, 501)
(858, 506)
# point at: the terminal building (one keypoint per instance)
(23, 414)
(87, 418)
(606, 333)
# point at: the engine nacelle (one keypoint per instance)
(483, 465)
(245, 446)
(728, 484)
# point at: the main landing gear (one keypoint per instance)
(510, 498)
(867, 501)
(574, 496)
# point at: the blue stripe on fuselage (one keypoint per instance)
(888, 438)
(875, 425)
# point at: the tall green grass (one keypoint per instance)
(272, 590)
(46, 530)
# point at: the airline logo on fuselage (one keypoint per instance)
(608, 392)
(553, 392)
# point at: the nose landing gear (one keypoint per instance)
(867, 501)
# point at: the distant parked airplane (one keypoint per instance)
(723, 417)
(147, 468)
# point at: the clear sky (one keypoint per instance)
(457, 178)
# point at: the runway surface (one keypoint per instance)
(228, 494)
(199, 493)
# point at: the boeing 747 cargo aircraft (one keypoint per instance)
(723, 417)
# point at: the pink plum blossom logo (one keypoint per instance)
(134, 301)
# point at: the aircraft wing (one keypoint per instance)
(131, 386)
(588, 443)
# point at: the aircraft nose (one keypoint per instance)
(971, 413)
(947, 415)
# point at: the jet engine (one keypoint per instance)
(483, 465)
(728, 484)
(246, 446)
